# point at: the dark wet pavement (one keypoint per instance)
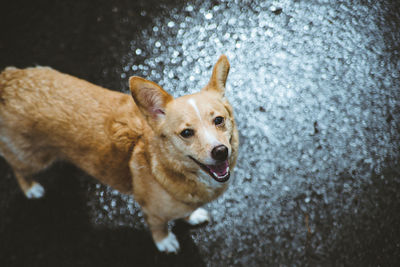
(315, 86)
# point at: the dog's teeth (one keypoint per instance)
(223, 176)
(216, 175)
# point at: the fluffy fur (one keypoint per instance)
(133, 146)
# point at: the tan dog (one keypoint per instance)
(174, 155)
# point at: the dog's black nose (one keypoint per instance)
(220, 153)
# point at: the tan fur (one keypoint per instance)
(135, 148)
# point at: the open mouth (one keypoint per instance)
(219, 172)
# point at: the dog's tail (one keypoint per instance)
(5, 76)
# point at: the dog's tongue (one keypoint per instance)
(220, 169)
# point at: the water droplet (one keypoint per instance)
(171, 24)
(189, 8)
(208, 15)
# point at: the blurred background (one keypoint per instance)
(315, 88)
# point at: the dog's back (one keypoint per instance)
(46, 116)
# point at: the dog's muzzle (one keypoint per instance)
(219, 172)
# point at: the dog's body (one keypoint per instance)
(174, 155)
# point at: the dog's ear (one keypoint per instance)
(219, 75)
(150, 98)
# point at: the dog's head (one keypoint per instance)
(198, 131)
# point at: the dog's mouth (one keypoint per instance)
(219, 172)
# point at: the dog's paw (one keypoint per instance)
(198, 216)
(36, 191)
(169, 244)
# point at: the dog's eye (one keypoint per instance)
(218, 120)
(187, 133)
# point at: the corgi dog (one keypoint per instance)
(173, 155)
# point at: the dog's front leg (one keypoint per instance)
(164, 239)
(197, 217)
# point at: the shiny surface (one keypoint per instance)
(315, 88)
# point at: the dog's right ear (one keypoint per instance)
(150, 98)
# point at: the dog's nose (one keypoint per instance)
(220, 153)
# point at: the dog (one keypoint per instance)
(173, 155)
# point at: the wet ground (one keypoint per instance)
(315, 86)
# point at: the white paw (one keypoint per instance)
(169, 244)
(36, 191)
(198, 216)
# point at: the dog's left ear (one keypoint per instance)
(219, 75)
(150, 98)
